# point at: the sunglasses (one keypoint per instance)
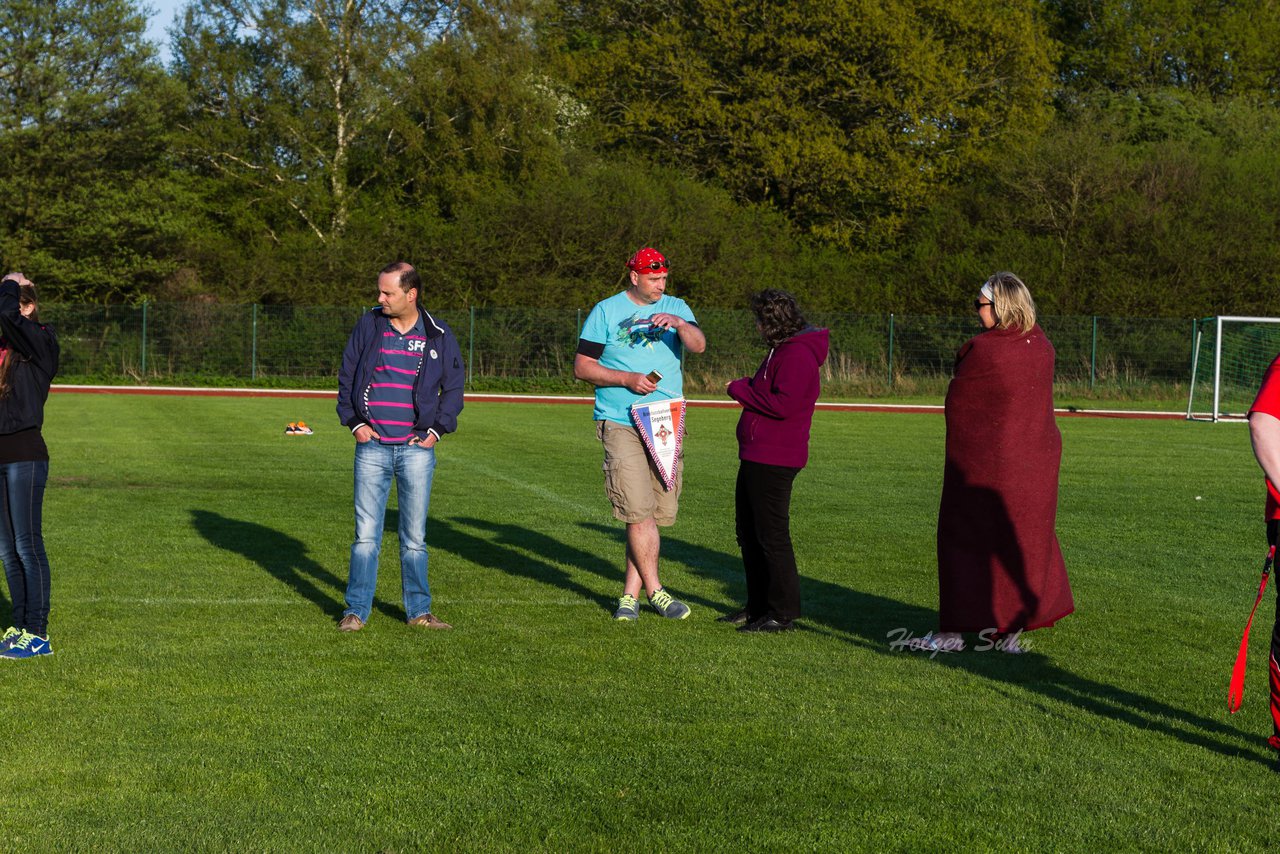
(978, 304)
(654, 265)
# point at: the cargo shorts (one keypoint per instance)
(631, 480)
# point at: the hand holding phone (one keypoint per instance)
(653, 377)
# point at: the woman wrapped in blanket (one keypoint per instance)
(1000, 568)
(28, 363)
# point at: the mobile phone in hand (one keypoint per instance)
(653, 377)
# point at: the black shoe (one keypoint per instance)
(737, 618)
(768, 624)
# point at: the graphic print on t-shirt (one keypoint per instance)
(638, 331)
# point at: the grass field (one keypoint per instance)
(201, 698)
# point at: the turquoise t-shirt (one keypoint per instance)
(631, 343)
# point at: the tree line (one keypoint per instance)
(870, 156)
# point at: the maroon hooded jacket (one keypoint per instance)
(777, 403)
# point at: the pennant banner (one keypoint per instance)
(1235, 692)
(661, 427)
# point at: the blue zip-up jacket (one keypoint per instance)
(437, 391)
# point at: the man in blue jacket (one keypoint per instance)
(399, 392)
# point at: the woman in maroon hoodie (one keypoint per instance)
(773, 445)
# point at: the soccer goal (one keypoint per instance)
(1231, 355)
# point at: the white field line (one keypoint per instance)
(217, 602)
(526, 486)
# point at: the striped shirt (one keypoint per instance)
(388, 400)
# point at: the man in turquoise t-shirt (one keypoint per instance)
(630, 340)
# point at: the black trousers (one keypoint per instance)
(1273, 668)
(763, 504)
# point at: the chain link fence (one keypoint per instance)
(532, 349)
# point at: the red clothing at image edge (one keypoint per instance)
(1268, 403)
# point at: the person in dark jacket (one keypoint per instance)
(28, 363)
(773, 445)
(399, 392)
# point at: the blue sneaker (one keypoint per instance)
(664, 604)
(11, 636)
(28, 646)
(628, 608)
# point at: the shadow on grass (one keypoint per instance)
(705, 560)
(531, 554)
(863, 619)
(523, 552)
(872, 622)
(283, 557)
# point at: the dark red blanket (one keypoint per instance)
(999, 562)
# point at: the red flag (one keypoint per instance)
(1235, 694)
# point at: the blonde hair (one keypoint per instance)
(1013, 306)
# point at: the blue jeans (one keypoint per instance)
(26, 567)
(412, 468)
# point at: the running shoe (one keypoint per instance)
(28, 646)
(667, 606)
(628, 608)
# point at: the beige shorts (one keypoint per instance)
(631, 480)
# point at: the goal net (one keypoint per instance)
(1231, 355)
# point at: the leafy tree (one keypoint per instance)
(1214, 48)
(562, 242)
(846, 116)
(92, 208)
(292, 99)
(1134, 206)
(320, 126)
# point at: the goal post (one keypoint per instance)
(1231, 354)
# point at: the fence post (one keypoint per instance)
(144, 340)
(1195, 346)
(1093, 355)
(253, 358)
(890, 349)
(471, 348)
(1195, 357)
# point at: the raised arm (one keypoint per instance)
(33, 341)
(690, 334)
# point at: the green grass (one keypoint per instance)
(1153, 395)
(201, 698)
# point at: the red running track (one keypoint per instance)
(1071, 412)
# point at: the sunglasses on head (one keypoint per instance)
(654, 265)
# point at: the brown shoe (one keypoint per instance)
(429, 621)
(350, 623)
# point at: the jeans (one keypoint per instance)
(763, 505)
(412, 468)
(26, 567)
